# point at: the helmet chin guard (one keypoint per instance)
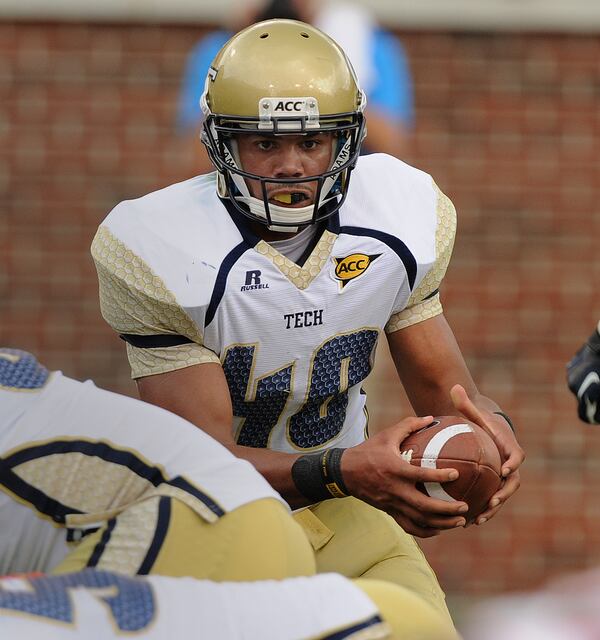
(256, 85)
(331, 186)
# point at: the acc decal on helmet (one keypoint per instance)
(282, 77)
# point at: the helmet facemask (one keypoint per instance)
(220, 134)
(282, 78)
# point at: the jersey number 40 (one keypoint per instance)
(337, 364)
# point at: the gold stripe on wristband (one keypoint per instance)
(335, 491)
(323, 462)
(332, 474)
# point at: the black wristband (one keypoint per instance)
(318, 476)
(308, 478)
(332, 467)
(508, 420)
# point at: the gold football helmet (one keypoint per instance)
(282, 77)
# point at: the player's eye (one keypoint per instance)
(265, 145)
(310, 144)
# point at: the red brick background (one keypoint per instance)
(508, 124)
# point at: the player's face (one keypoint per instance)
(287, 156)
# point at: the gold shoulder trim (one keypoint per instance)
(417, 313)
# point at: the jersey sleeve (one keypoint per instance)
(135, 302)
(424, 302)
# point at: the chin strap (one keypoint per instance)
(277, 229)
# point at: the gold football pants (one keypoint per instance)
(407, 614)
(359, 541)
(163, 536)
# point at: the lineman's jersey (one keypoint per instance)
(72, 456)
(186, 282)
(98, 605)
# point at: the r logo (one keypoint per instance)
(252, 277)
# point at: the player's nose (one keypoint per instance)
(289, 163)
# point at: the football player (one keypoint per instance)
(252, 300)
(583, 378)
(89, 478)
(99, 605)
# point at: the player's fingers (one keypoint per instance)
(491, 511)
(465, 405)
(515, 459)
(509, 486)
(421, 503)
(511, 451)
(425, 474)
(482, 518)
(424, 520)
(413, 528)
(410, 425)
(435, 521)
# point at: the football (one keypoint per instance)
(455, 442)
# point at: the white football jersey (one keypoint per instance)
(186, 282)
(72, 456)
(98, 605)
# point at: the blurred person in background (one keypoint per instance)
(583, 378)
(252, 299)
(377, 56)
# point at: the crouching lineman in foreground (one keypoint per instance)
(89, 478)
(583, 377)
(99, 605)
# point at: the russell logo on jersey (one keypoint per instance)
(253, 281)
(352, 266)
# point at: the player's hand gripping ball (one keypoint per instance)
(454, 442)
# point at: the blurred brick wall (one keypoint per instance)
(509, 125)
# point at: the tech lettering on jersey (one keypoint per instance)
(352, 266)
(253, 281)
(304, 319)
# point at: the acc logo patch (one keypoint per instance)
(352, 266)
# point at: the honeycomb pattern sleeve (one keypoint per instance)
(424, 302)
(135, 301)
